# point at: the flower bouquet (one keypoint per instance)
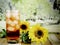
(34, 33)
(30, 34)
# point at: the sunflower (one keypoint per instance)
(24, 26)
(38, 34)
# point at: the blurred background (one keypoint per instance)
(47, 13)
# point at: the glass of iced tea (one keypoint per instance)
(12, 26)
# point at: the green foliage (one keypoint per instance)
(3, 33)
(25, 38)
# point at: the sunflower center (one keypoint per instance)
(39, 34)
(23, 27)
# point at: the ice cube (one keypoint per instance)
(11, 23)
(15, 22)
(15, 12)
(17, 18)
(10, 28)
(17, 27)
(8, 15)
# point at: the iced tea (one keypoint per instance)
(12, 25)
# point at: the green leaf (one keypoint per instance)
(25, 38)
(1, 34)
(4, 32)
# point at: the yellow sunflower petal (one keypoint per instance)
(38, 33)
(24, 26)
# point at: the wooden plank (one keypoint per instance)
(53, 28)
(53, 39)
(3, 41)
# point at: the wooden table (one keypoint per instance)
(3, 41)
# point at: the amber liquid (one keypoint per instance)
(12, 35)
